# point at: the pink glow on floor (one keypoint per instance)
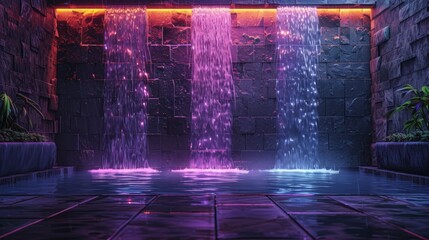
(134, 170)
(221, 170)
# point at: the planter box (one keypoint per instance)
(17, 157)
(410, 157)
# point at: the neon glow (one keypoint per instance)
(134, 170)
(199, 170)
(321, 170)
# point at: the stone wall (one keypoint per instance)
(344, 87)
(28, 57)
(399, 56)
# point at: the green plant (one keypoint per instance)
(12, 111)
(417, 105)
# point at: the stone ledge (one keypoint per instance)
(17, 157)
(409, 157)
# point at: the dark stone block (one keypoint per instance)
(353, 71)
(331, 88)
(356, 125)
(270, 142)
(154, 142)
(252, 70)
(246, 125)
(177, 126)
(90, 71)
(329, 53)
(160, 54)
(355, 53)
(67, 141)
(254, 142)
(182, 106)
(153, 106)
(92, 107)
(96, 54)
(89, 142)
(181, 19)
(331, 124)
(245, 54)
(321, 108)
(335, 107)
(166, 89)
(357, 88)
(69, 106)
(358, 106)
(266, 125)
(329, 18)
(181, 54)
(69, 34)
(153, 125)
(247, 35)
(330, 35)
(381, 35)
(166, 107)
(244, 88)
(269, 71)
(262, 107)
(271, 89)
(155, 35)
(264, 53)
(238, 142)
(93, 29)
(176, 35)
(182, 88)
(76, 54)
(153, 86)
(239, 108)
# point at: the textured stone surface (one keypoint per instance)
(411, 157)
(16, 158)
(344, 75)
(28, 56)
(398, 60)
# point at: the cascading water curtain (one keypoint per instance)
(298, 46)
(126, 95)
(212, 88)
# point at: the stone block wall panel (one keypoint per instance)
(398, 60)
(28, 52)
(344, 86)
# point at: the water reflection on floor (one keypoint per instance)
(191, 182)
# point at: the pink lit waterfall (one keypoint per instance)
(126, 94)
(212, 88)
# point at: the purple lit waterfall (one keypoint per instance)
(298, 46)
(212, 88)
(126, 95)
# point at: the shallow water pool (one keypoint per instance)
(252, 182)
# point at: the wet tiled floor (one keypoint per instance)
(214, 217)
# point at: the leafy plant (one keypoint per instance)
(11, 112)
(417, 105)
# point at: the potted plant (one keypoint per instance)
(408, 151)
(21, 151)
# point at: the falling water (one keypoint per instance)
(298, 45)
(212, 88)
(125, 104)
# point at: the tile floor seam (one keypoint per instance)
(292, 218)
(403, 201)
(45, 218)
(381, 220)
(125, 224)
